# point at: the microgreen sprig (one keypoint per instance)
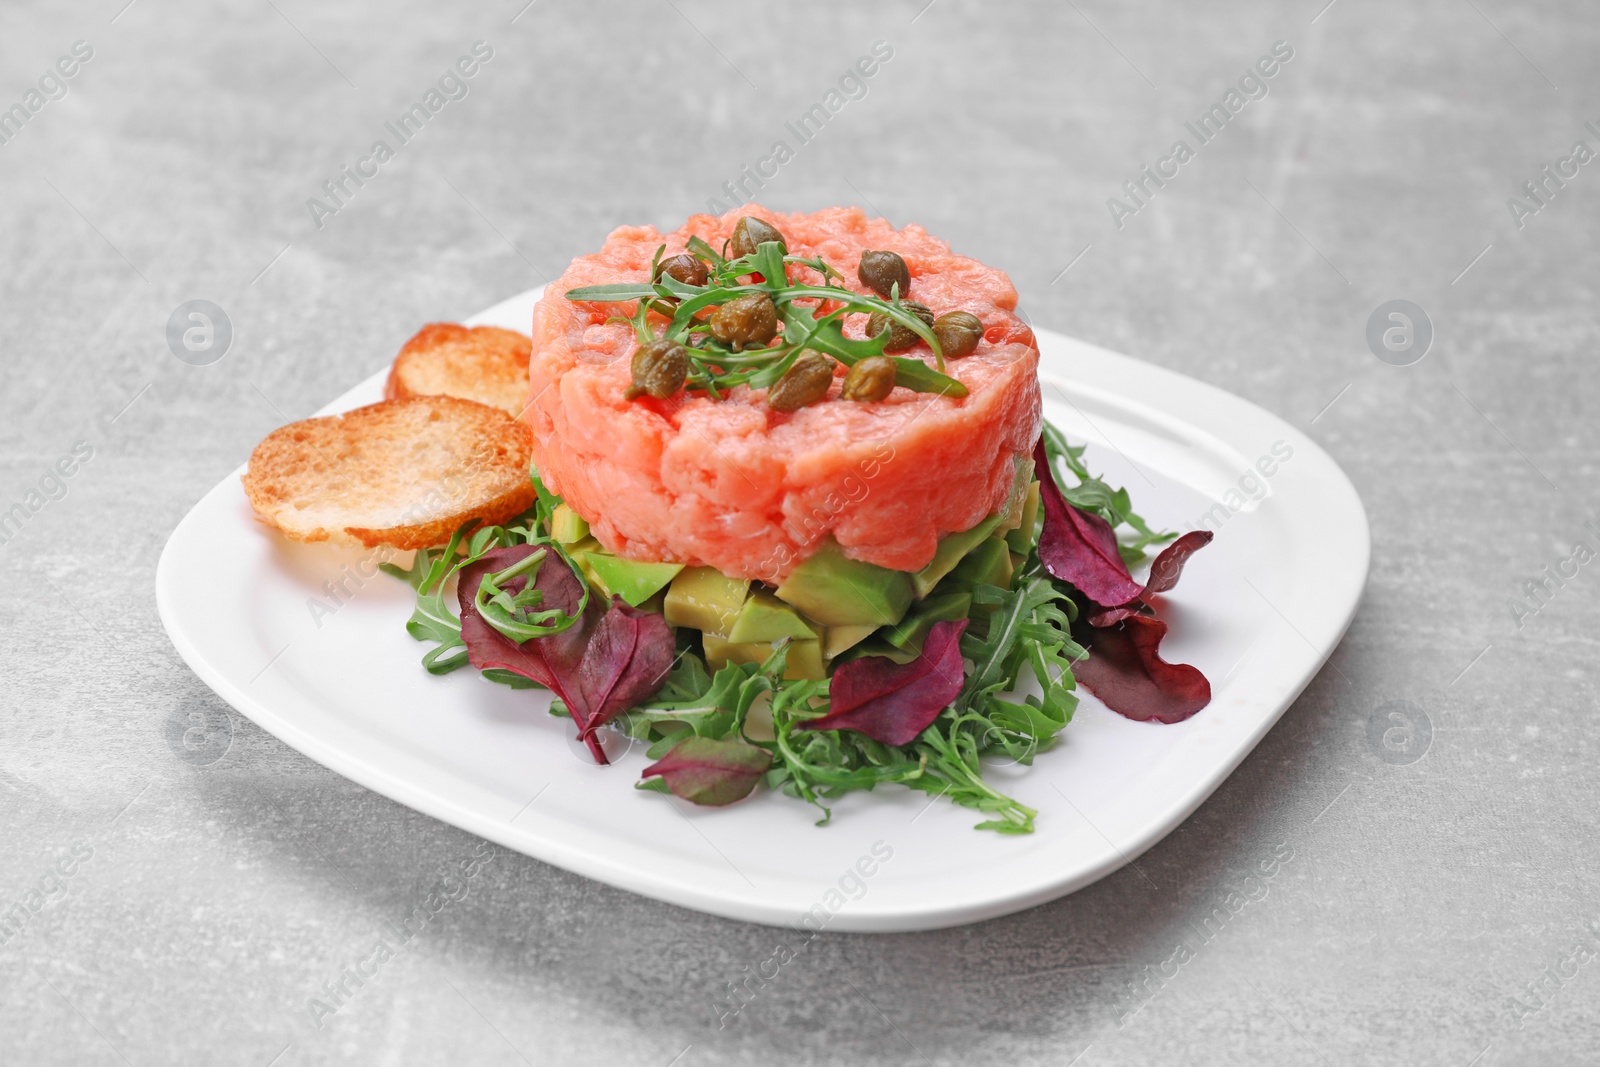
(516, 614)
(812, 316)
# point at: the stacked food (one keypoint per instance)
(797, 518)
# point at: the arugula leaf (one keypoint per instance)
(694, 702)
(545, 504)
(707, 253)
(515, 614)
(827, 336)
(432, 620)
(615, 293)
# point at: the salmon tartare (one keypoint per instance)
(732, 484)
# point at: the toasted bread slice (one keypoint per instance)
(484, 363)
(405, 473)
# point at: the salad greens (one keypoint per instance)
(715, 735)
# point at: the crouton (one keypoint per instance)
(405, 473)
(484, 363)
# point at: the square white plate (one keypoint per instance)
(1259, 610)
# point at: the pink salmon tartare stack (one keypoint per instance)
(735, 485)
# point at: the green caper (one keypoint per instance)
(900, 337)
(750, 233)
(659, 369)
(806, 382)
(745, 320)
(869, 380)
(683, 267)
(958, 332)
(882, 271)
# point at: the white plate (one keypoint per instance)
(1259, 611)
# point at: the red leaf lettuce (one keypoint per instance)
(892, 702)
(1124, 669)
(611, 659)
(709, 771)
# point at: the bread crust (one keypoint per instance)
(405, 472)
(483, 363)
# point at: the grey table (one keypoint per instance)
(1442, 901)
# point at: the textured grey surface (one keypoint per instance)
(1435, 910)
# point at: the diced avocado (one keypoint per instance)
(805, 657)
(654, 604)
(988, 564)
(838, 638)
(805, 661)
(586, 544)
(877, 646)
(1011, 510)
(1021, 539)
(766, 618)
(951, 548)
(705, 599)
(836, 590)
(634, 581)
(567, 526)
(913, 629)
(596, 586)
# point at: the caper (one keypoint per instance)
(900, 337)
(958, 332)
(869, 380)
(882, 271)
(745, 320)
(806, 382)
(750, 233)
(683, 267)
(659, 369)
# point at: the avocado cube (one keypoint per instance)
(581, 558)
(634, 581)
(913, 629)
(1011, 510)
(766, 618)
(805, 657)
(951, 548)
(836, 639)
(1021, 539)
(835, 590)
(877, 646)
(705, 599)
(567, 526)
(988, 564)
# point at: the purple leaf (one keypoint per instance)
(1078, 547)
(1168, 567)
(1126, 671)
(488, 647)
(892, 702)
(1164, 574)
(607, 662)
(704, 770)
(629, 655)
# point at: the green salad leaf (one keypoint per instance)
(1018, 693)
